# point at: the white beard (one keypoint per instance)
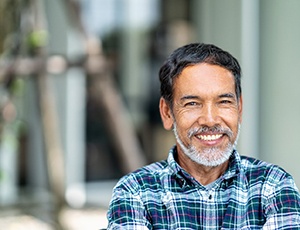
(209, 156)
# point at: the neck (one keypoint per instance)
(203, 174)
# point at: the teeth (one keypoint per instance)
(209, 137)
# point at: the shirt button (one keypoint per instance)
(182, 182)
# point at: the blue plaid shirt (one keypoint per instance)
(250, 195)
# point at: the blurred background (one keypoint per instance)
(79, 95)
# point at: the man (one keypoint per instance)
(204, 183)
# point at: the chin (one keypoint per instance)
(211, 157)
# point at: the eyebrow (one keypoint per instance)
(188, 97)
(225, 95)
(229, 95)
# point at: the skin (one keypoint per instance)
(204, 95)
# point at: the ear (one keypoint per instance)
(166, 114)
(240, 109)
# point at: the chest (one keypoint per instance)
(194, 208)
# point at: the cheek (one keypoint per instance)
(186, 119)
(232, 121)
(230, 116)
(233, 125)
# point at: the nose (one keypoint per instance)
(209, 116)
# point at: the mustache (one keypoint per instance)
(207, 129)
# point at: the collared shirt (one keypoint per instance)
(251, 194)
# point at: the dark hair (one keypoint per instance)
(192, 54)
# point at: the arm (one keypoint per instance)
(127, 211)
(283, 209)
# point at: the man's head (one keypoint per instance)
(192, 54)
(201, 100)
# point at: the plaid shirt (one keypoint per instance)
(250, 195)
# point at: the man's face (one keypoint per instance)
(205, 115)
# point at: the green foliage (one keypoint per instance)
(10, 18)
(37, 39)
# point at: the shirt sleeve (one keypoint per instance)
(283, 209)
(127, 211)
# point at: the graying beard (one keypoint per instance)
(197, 157)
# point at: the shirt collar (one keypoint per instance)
(235, 165)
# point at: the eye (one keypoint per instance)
(225, 102)
(191, 103)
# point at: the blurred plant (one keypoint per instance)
(12, 26)
(37, 39)
(10, 22)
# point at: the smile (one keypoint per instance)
(210, 137)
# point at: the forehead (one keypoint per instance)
(204, 77)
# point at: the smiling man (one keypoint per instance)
(204, 183)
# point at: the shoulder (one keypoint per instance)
(258, 170)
